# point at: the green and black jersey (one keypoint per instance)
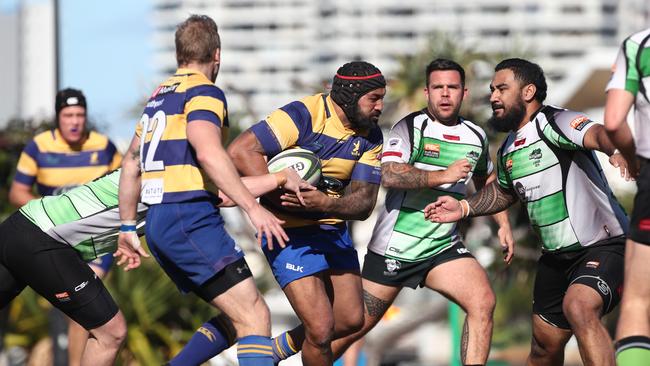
(86, 217)
(568, 199)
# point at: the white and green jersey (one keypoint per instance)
(86, 217)
(632, 73)
(569, 202)
(401, 232)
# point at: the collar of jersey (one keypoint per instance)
(187, 72)
(63, 145)
(336, 121)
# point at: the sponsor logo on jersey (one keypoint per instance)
(94, 158)
(432, 150)
(392, 266)
(394, 143)
(80, 286)
(161, 90)
(62, 296)
(603, 287)
(579, 123)
(355, 150)
(390, 153)
(451, 137)
(592, 264)
(536, 156)
(509, 165)
(520, 142)
(394, 250)
(295, 268)
(155, 103)
(472, 156)
(521, 191)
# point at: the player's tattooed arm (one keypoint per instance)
(406, 176)
(375, 307)
(491, 199)
(247, 154)
(357, 204)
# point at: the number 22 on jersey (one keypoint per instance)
(152, 188)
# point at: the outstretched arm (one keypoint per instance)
(260, 185)
(618, 105)
(489, 200)
(406, 176)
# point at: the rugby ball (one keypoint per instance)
(304, 162)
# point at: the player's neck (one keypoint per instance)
(531, 110)
(206, 69)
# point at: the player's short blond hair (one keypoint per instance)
(197, 40)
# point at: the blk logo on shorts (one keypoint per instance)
(603, 288)
(295, 268)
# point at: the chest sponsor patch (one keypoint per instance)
(432, 150)
(451, 137)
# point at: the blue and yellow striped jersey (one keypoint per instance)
(312, 124)
(170, 171)
(55, 166)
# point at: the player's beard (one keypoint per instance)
(363, 122)
(511, 118)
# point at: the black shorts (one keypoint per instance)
(29, 257)
(640, 220)
(221, 282)
(392, 272)
(599, 267)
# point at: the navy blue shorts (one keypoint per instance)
(311, 250)
(189, 242)
(104, 262)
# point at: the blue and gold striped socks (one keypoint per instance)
(283, 347)
(255, 350)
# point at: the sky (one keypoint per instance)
(105, 52)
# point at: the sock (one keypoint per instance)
(208, 341)
(254, 350)
(633, 350)
(283, 347)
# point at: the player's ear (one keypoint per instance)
(529, 92)
(217, 56)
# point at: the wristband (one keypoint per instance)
(127, 225)
(464, 208)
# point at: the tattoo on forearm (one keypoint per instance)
(375, 306)
(463, 343)
(135, 153)
(404, 176)
(357, 204)
(489, 200)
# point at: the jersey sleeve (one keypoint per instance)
(502, 177)
(568, 129)
(484, 166)
(367, 168)
(27, 167)
(398, 146)
(206, 103)
(283, 128)
(625, 74)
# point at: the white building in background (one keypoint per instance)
(277, 50)
(27, 66)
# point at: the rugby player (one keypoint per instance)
(629, 86)
(174, 156)
(318, 270)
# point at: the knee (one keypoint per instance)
(258, 316)
(483, 309)
(320, 333)
(579, 313)
(115, 333)
(351, 322)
